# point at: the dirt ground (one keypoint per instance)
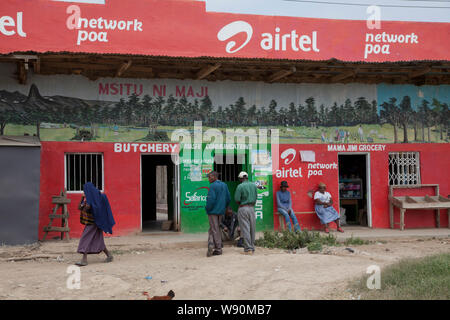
(184, 268)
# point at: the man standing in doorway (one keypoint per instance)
(216, 203)
(245, 197)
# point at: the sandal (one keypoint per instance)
(340, 230)
(81, 264)
(109, 259)
(326, 230)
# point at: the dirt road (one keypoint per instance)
(269, 274)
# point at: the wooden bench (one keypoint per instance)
(282, 221)
(427, 202)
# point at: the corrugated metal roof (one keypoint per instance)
(225, 58)
(19, 141)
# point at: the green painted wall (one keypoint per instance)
(193, 194)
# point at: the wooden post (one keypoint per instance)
(402, 219)
(282, 223)
(391, 207)
(438, 218)
(391, 214)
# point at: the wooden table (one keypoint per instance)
(436, 202)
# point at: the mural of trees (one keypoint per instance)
(154, 112)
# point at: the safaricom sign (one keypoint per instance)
(277, 40)
(194, 197)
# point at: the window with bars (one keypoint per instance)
(228, 171)
(82, 168)
(404, 168)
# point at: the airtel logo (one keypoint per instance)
(277, 41)
(232, 29)
(288, 156)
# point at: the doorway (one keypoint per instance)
(354, 189)
(158, 194)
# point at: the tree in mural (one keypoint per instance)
(323, 115)
(147, 106)
(334, 117)
(374, 112)
(445, 118)
(349, 113)
(362, 111)
(301, 112)
(292, 115)
(206, 109)
(440, 116)
(8, 116)
(311, 111)
(390, 113)
(405, 115)
(145, 111)
(252, 116)
(425, 116)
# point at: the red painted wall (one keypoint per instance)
(121, 185)
(433, 167)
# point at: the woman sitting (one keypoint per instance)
(324, 208)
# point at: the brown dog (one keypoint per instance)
(169, 296)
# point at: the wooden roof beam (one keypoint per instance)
(345, 75)
(419, 73)
(22, 71)
(204, 72)
(123, 67)
(281, 74)
(37, 66)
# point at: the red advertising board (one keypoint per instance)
(184, 28)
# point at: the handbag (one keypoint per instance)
(86, 217)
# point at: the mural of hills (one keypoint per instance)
(330, 123)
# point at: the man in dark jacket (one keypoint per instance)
(229, 226)
(216, 203)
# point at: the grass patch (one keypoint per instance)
(356, 241)
(294, 240)
(300, 134)
(312, 240)
(411, 279)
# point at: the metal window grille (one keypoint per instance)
(228, 172)
(404, 168)
(82, 168)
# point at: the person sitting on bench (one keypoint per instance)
(284, 206)
(324, 208)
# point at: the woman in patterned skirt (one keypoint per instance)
(324, 208)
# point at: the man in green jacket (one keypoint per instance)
(245, 196)
(216, 203)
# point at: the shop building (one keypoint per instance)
(106, 97)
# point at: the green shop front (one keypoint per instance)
(197, 160)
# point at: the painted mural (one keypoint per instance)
(72, 108)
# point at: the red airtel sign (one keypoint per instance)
(184, 28)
